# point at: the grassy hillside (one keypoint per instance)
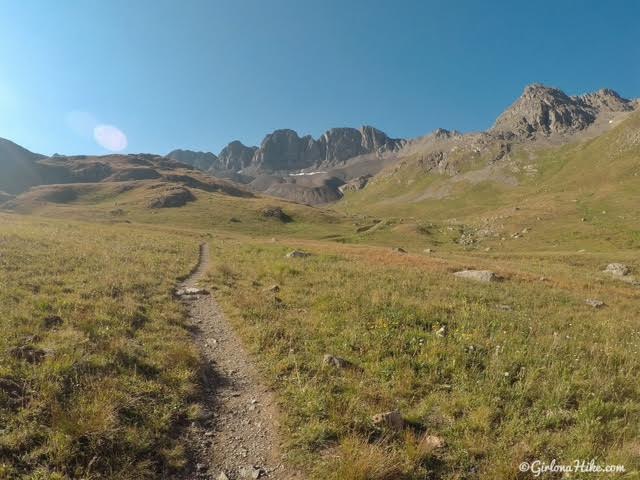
(503, 373)
(131, 202)
(579, 195)
(97, 370)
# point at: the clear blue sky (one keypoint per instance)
(198, 74)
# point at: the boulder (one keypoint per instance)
(172, 197)
(336, 362)
(52, 321)
(277, 213)
(478, 275)
(392, 420)
(592, 302)
(617, 269)
(431, 442)
(298, 254)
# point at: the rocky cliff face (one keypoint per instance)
(285, 150)
(235, 156)
(310, 170)
(543, 110)
(200, 160)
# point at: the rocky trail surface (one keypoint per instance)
(239, 436)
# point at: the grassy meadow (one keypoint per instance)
(98, 373)
(523, 370)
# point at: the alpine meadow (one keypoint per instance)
(349, 305)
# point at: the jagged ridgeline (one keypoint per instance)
(343, 161)
(318, 171)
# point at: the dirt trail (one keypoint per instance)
(240, 436)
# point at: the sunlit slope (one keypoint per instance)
(167, 203)
(583, 191)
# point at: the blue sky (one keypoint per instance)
(198, 74)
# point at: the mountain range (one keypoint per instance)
(319, 171)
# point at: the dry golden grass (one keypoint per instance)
(97, 367)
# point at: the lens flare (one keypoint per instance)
(110, 137)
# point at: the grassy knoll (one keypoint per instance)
(97, 370)
(525, 370)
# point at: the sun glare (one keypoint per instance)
(110, 137)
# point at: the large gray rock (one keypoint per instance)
(336, 362)
(617, 269)
(392, 420)
(478, 275)
(298, 254)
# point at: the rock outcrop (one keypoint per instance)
(285, 150)
(356, 184)
(200, 160)
(235, 156)
(478, 275)
(543, 110)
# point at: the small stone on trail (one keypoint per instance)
(252, 473)
(428, 250)
(392, 419)
(399, 250)
(188, 291)
(478, 275)
(594, 303)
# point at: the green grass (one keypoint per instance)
(550, 378)
(97, 369)
(595, 180)
(106, 394)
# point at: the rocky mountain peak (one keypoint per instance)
(443, 134)
(606, 100)
(199, 160)
(235, 156)
(543, 110)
